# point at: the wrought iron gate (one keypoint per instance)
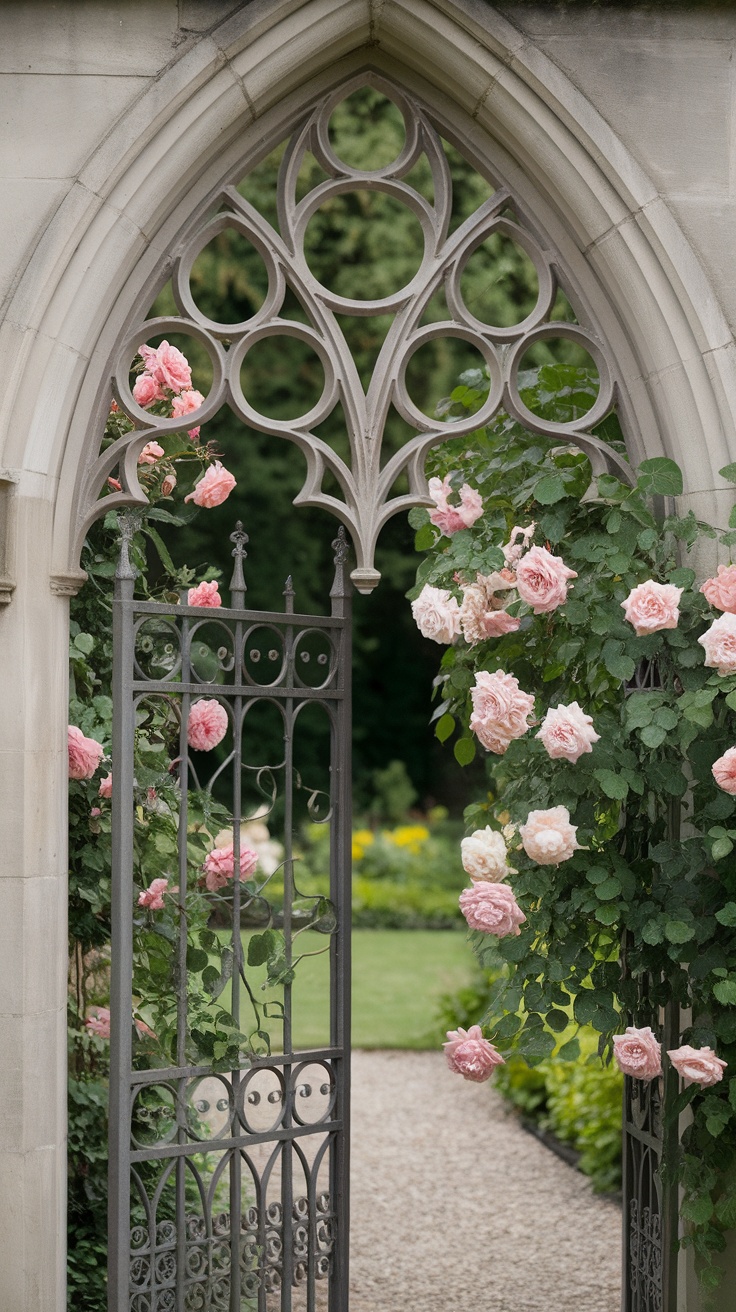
(649, 1192)
(229, 1186)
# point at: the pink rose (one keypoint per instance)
(146, 390)
(721, 591)
(470, 1055)
(105, 788)
(114, 485)
(450, 519)
(437, 614)
(500, 710)
(514, 550)
(150, 453)
(548, 837)
(153, 898)
(567, 732)
(697, 1065)
(214, 488)
(491, 908)
(481, 613)
(95, 813)
(724, 771)
(205, 594)
(652, 606)
(638, 1053)
(719, 643)
(484, 855)
(85, 754)
(208, 722)
(219, 866)
(168, 485)
(541, 580)
(167, 366)
(185, 404)
(98, 1022)
(142, 1028)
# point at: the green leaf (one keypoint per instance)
(697, 1208)
(678, 931)
(682, 578)
(610, 888)
(261, 947)
(720, 848)
(418, 517)
(612, 784)
(653, 735)
(84, 642)
(653, 932)
(727, 915)
(424, 539)
(464, 751)
(550, 489)
(726, 1210)
(661, 476)
(570, 1051)
(557, 1021)
(196, 959)
(445, 727)
(607, 915)
(619, 665)
(161, 548)
(728, 472)
(725, 992)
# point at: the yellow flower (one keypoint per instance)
(362, 839)
(412, 837)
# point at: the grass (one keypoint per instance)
(398, 978)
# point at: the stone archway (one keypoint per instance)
(231, 94)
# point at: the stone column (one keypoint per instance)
(33, 916)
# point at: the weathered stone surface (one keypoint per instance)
(119, 122)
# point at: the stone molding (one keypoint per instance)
(235, 93)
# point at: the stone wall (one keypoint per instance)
(120, 118)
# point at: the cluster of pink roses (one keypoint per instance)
(531, 575)
(167, 376)
(502, 711)
(639, 1054)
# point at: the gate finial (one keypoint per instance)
(341, 548)
(129, 521)
(237, 583)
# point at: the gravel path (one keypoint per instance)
(455, 1208)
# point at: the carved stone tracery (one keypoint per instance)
(366, 499)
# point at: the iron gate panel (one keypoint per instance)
(246, 1212)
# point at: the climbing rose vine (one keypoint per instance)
(603, 705)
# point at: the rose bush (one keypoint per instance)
(624, 915)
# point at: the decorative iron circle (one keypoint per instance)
(261, 1099)
(264, 648)
(313, 1091)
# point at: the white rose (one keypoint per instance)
(484, 855)
(437, 614)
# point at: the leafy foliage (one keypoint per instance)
(669, 894)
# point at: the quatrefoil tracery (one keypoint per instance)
(366, 501)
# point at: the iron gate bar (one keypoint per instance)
(297, 1240)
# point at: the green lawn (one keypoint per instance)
(398, 976)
